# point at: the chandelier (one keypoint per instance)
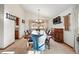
(38, 23)
(39, 20)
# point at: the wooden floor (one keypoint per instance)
(19, 47)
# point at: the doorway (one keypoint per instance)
(17, 28)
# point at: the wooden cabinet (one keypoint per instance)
(58, 35)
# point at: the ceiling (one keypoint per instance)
(46, 10)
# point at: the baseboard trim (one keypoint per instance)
(20, 38)
(7, 46)
(70, 46)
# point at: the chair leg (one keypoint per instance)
(49, 45)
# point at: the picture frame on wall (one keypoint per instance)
(23, 21)
(57, 20)
(11, 17)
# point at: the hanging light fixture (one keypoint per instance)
(39, 20)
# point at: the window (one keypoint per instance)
(67, 22)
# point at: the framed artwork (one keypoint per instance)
(57, 20)
(23, 21)
(11, 17)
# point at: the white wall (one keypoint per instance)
(69, 36)
(77, 31)
(18, 11)
(9, 31)
(1, 25)
(22, 28)
(7, 27)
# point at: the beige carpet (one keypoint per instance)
(19, 47)
(59, 48)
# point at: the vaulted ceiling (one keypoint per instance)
(46, 10)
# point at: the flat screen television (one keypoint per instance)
(57, 20)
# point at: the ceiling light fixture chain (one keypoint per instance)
(38, 14)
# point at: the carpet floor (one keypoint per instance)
(19, 47)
